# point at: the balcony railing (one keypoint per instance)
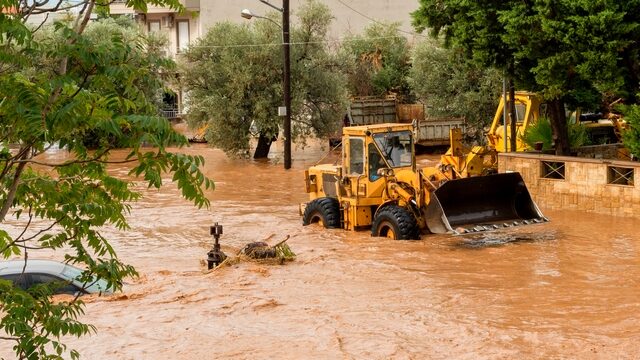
(171, 113)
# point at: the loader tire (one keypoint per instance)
(325, 211)
(395, 222)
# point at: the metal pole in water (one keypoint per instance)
(504, 109)
(215, 256)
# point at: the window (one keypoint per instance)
(154, 26)
(183, 35)
(356, 156)
(552, 169)
(18, 280)
(375, 162)
(59, 286)
(396, 147)
(521, 109)
(620, 175)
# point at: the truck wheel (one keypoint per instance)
(325, 211)
(395, 222)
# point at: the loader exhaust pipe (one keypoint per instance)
(481, 203)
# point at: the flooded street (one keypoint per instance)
(565, 289)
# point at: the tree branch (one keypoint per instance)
(25, 227)
(12, 190)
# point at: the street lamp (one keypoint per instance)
(247, 14)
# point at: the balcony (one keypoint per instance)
(118, 7)
(171, 113)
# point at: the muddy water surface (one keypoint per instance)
(565, 289)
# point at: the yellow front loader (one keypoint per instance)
(378, 187)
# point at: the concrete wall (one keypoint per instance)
(608, 151)
(350, 15)
(586, 185)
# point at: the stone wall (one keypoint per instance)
(608, 151)
(586, 185)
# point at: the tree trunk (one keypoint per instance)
(512, 115)
(559, 126)
(264, 144)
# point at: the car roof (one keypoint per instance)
(35, 265)
(51, 267)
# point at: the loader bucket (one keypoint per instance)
(481, 203)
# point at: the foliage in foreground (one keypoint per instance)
(58, 89)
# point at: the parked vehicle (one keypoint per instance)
(428, 131)
(49, 271)
(465, 161)
(530, 107)
(378, 186)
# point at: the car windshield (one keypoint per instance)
(396, 147)
(73, 273)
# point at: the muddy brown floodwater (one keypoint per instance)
(565, 289)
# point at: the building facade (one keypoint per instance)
(180, 29)
(350, 17)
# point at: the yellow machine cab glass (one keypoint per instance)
(396, 147)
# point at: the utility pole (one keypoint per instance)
(287, 84)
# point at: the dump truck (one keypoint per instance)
(428, 130)
(378, 186)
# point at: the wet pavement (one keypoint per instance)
(564, 289)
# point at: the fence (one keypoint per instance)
(593, 185)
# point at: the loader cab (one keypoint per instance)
(368, 153)
(391, 150)
(529, 107)
(369, 149)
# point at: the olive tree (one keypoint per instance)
(233, 77)
(65, 87)
(377, 62)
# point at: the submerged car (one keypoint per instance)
(49, 271)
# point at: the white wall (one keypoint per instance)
(346, 19)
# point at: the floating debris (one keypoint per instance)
(261, 251)
(493, 239)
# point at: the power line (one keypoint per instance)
(376, 21)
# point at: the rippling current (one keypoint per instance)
(569, 288)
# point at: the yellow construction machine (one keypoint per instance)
(461, 161)
(378, 186)
(464, 161)
(530, 107)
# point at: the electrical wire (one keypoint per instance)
(376, 21)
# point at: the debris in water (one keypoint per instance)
(483, 240)
(260, 251)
